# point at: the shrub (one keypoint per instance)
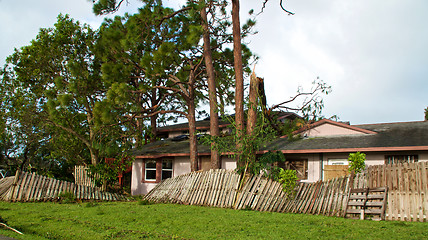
(288, 179)
(357, 162)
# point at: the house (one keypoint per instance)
(203, 126)
(323, 147)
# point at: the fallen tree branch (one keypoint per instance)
(13, 229)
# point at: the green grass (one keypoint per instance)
(134, 220)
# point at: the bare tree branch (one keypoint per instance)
(280, 4)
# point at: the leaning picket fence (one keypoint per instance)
(31, 187)
(407, 195)
(220, 188)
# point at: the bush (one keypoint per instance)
(357, 162)
(288, 179)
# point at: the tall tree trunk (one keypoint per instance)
(191, 118)
(214, 128)
(138, 137)
(193, 141)
(153, 125)
(239, 76)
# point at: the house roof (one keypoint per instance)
(200, 125)
(223, 122)
(166, 148)
(377, 137)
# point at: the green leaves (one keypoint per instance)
(357, 162)
(288, 179)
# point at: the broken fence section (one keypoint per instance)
(219, 188)
(216, 188)
(31, 187)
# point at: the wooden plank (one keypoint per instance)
(279, 201)
(242, 193)
(273, 199)
(235, 185)
(423, 190)
(315, 197)
(264, 195)
(268, 196)
(320, 198)
(333, 198)
(230, 180)
(17, 186)
(202, 188)
(304, 199)
(23, 186)
(328, 198)
(217, 187)
(298, 199)
(190, 180)
(35, 187)
(406, 192)
(196, 190)
(254, 192)
(342, 190)
(211, 186)
(414, 192)
(30, 187)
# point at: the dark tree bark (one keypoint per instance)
(239, 75)
(191, 118)
(214, 128)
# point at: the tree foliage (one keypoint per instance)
(50, 91)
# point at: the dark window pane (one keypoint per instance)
(166, 174)
(166, 164)
(151, 164)
(150, 174)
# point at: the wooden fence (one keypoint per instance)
(31, 187)
(407, 192)
(220, 188)
(407, 189)
(216, 188)
(82, 177)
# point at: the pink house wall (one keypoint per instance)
(329, 130)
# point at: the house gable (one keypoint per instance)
(326, 128)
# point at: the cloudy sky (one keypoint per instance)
(374, 53)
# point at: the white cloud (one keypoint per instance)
(372, 53)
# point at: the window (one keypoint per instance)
(150, 170)
(391, 159)
(300, 165)
(156, 170)
(166, 169)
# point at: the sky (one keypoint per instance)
(373, 53)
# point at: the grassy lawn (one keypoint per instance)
(131, 220)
